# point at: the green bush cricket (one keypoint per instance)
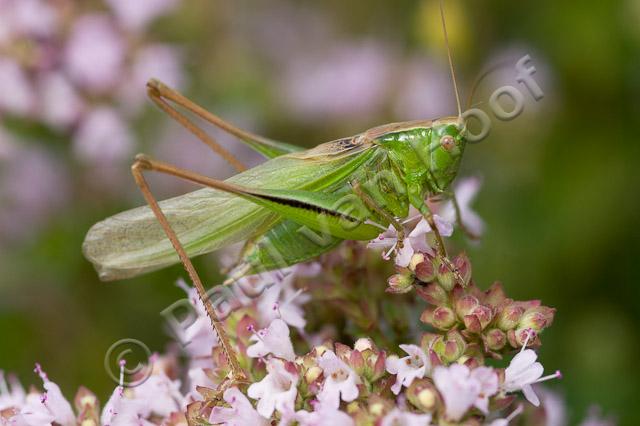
(293, 207)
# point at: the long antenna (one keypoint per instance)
(446, 41)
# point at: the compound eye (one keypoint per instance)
(448, 142)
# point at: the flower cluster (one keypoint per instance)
(295, 377)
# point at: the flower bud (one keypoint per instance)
(472, 324)
(86, 404)
(422, 394)
(463, 266)
(443, 318)
(415, 260)
(425, 271)
(450, 347)
(362, 344)
(445, 276)
(484, 314)
(312, 374)
(537, 318)
(479, 318)
(400, 283)
(433, 294)
(509, 317)
(494, 296)
(495, 339)
(465, 305)
(518, 337)
(427, 341)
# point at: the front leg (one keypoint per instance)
(417, 200)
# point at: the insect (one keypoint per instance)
(293, 207)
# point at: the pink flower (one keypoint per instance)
(282, 301)
(408, 368)
(506, 420)
(595, 418)
(418, 78)
(240, 412)
(13, 397)
(349, 81)
(340, 381)
(94, 53)
(462, 388)
(405, 418)
(272, 340)
(277, 390)
(199, 377)
(555, 411)
(322, 414)
(135, 15)
(415, 241)
(159, 61)
(34, 186)
(121, 410)
(159, 395)
(47, 408)
(18, 96)
(488, 380)
(103, 136)
(198, 337)
(466, 190)
(60, 104)
(35, 18)
(524, 370)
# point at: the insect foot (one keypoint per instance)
(141, 161)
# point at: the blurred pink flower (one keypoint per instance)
(348, 82)
(461, 388)
(322, 414)
(18, 96)
(159, 61)
(505, 421)
(12, 396)
(60, 104)
(33, 17)
(425, 92)
(103, 137)
(26, 18)
(135, 15)
(94, 53)
(595, 418)
(34, 184)
(466, 190)
(555, 411)
(405, 418)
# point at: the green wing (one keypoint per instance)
(132, 242)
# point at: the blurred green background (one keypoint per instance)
(560, 195)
